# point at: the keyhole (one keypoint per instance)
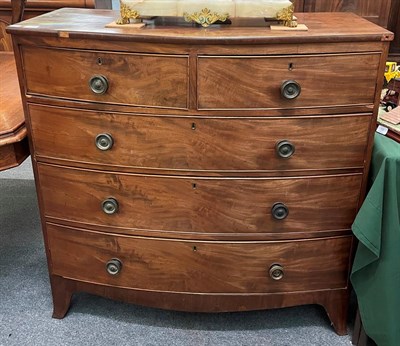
(193, 126)
(194, 248)
(99, 61)
(291, 67)
(194, 186)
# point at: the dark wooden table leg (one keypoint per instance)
(359, 336)
(357, 329)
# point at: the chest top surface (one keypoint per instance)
(90, 24)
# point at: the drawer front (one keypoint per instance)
(213, 205)
(135, 79)
(256, 82)
(206, 144)
(199, 267)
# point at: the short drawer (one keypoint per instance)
(257, 82)
(118, 78)
(190, 204)
(200, 144)
(199, 267)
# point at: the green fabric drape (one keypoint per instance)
(376, 270)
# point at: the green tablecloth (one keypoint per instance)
(376, 270)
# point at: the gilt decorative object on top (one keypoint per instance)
(127, 14)
(286, 16)
(205, 17)
(208, 12)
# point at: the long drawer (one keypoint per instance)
(199, 143)
(151, 80)
(199, 267)
(253, 82)
(193, 204)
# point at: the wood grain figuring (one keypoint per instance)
(195, 115)
(194, 143)
(220, 87)
(184, 266)
(211, 205)
(137, 79)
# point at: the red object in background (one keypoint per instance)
(392, 97)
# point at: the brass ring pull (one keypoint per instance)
(114, 266)
(276, 272)
(279, 211)
(110, 206)
(285, 149)
(290, 89)
(104, 141)
(98, 84)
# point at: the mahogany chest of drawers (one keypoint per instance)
(197, 169)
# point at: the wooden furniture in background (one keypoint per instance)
(33, 8)
(14, 147)
(105, 4)
(201, 170)
(394, 25)
(376, 11)
(385, 13)
(359, 337)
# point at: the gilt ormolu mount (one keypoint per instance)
(206, 13)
